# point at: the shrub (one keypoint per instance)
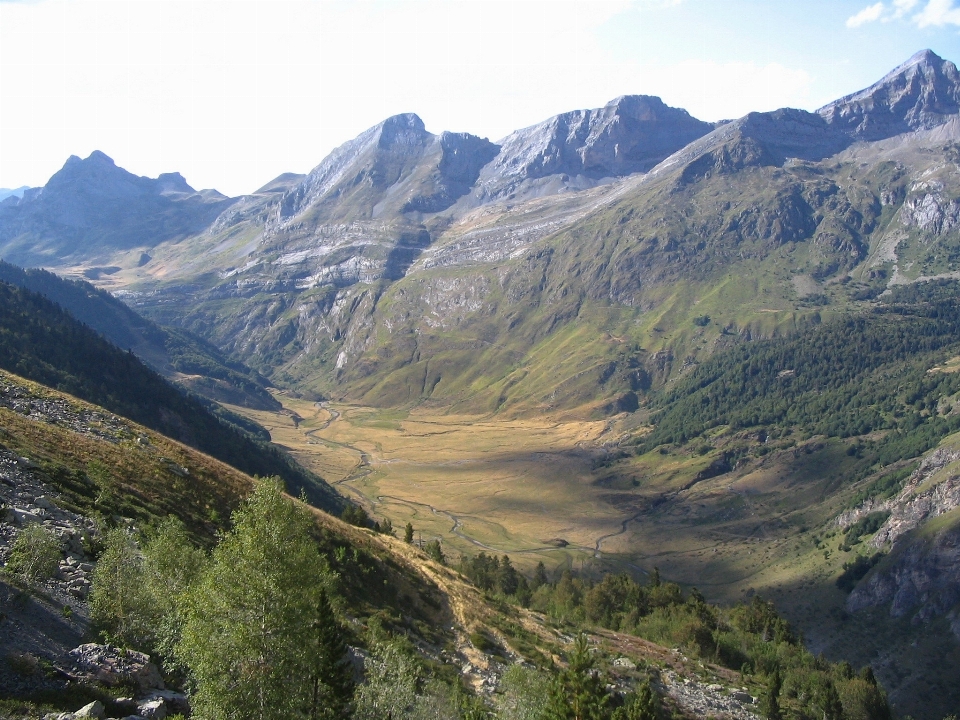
(35, 554)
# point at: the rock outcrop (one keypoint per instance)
(922, 93)
(922, 575)
(630, 134)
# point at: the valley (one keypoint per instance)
(522, 487)
(519, 487)
(622, 342)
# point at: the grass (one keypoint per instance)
(140, 476)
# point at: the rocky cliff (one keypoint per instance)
(921, 577)
(922, 93)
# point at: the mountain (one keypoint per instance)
(44, 343)
(921, 94)
(172, 352)
(91, 208)
(759, 314)
(630, 134)
(405, 249)
(16, 193)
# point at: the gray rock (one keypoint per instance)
(93, 710)
(922, 93)
(155, 709)
(173, 702)
(112, 666)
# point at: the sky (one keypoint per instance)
(232, 93)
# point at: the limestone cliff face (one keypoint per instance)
(630, 134)
(921, 577)
(922, 93)
(923, 581)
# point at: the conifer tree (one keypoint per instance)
(770, 703)
(643, 704)
(829, 702)
(408, 534)
(539, 576)
(578, 692)
(332, 680)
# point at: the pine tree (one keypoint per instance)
(655, 577)
(643, 704)
(578, 691)
(507, 577)
(770, 703)
(332, 679)
(829, 702)
(408, 534)
(539, 576)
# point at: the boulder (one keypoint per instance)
(112, 666)
(155, 709)
(93, 710)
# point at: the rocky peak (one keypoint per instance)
(922, 93)
(627, 135)
(397, 136)
(173, 183)
(399, 131)
(96, 175)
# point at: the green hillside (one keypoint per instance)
(184, 550)
(41, 341)
(173, 352)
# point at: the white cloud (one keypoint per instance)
(902, 7)
(867, 15)
(938, 13)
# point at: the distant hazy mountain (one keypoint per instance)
(14, 193)
(91, 208)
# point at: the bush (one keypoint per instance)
(35, 554)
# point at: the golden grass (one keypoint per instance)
(506, 486)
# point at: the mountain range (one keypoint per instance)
(441, 243)
(630, 264)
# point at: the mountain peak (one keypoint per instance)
(921, 93)
(402, 130)
(923, 56)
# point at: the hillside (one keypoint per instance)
(172, 352)
(457, 639)
(39, 340)
(618, 340)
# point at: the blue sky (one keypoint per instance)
(232, 93)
